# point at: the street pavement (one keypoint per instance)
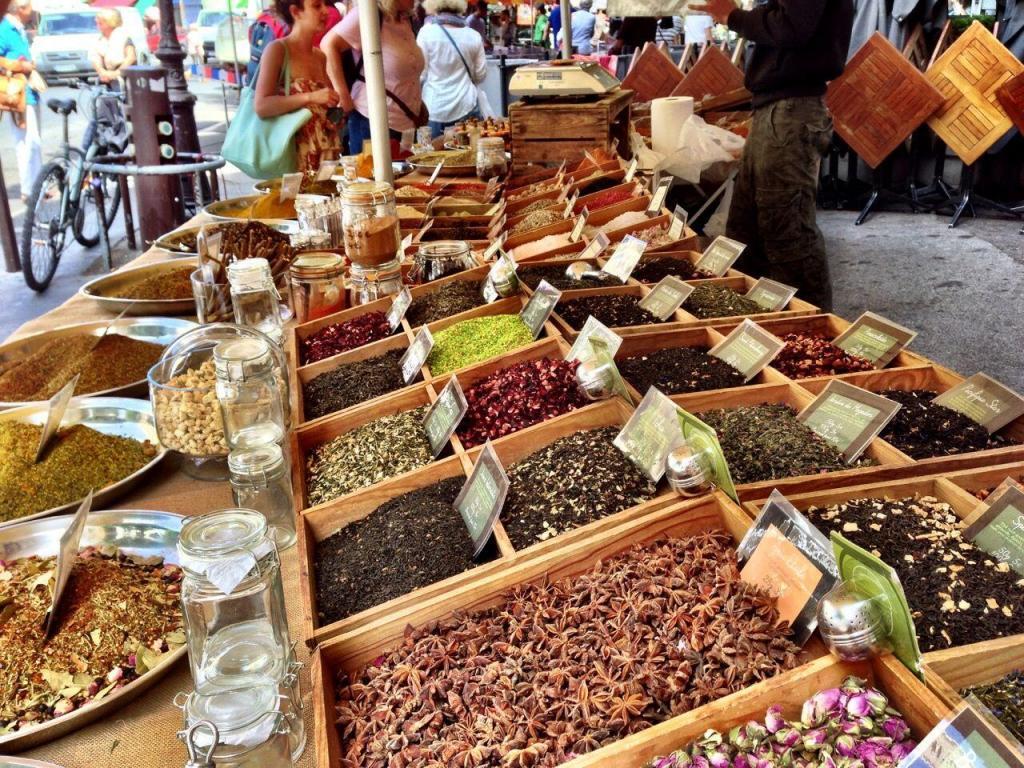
(961, 289)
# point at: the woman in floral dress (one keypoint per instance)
(293, 75)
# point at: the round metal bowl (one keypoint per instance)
(181, 242)
(134, 532)
(158, 330)
(328, 187)
(100, 290)
(427, 167)
(255, 207)
(121, 416)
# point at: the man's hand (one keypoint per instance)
(718, 10)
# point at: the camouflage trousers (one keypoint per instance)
(773, 203)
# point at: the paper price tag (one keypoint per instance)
(482, 497)
(770, 294)
(66, 556)
(595, 247)
(326, 170)
(493, 248)
(877, 581)
(55, 410)
(997, 526)
(848, 417)
(625, 258)
(680, 218)
(749, 349)
(984, 400)
(570, 204)
(703, 441)
(399, 306)
(416, 355)
(650, 434)
(875, 339)
(208, 245)
(291, 183)
(444, 415)
(436, 172)
(666, 297)
(406, 242)
(630, 171)
(719, 257)
(594, 328)
(538, 309)
(786, 555)
(581, 223)
(660, 193)
(971, 738)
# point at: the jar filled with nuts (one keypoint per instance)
(188, 418)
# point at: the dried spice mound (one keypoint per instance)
(710, 300)
(606, 199)
(571, 482)
(167, 284)
(564, 668)
(812, 354)
(353, 383)
(655, 237)
(557, 278)
(476, 339)
(766, 442)
(656, 270)
(119, 618)
(538, 219)
(449, 299)
(517, 397)
(341, 337)
(78, 460)
(376, 451)
(116, 361)
(957, 593)
(922, 429)
(1005, 698)
(413, 540)
(614, 310)
(679, 369)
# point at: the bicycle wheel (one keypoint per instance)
(43, 235)
(86, 226)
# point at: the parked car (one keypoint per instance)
(66, 35)
(206, 27)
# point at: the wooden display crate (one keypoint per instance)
(937, 379)
(951, 671)
(661, 219)
(677, 320)
(618, 173)
(560, 263)
(477, 274)
(986, 478)
(679, 251)
(830, 326)
(607, 213)
(797, 307)
(303, 331)
(522, 238)
(888, 458)
(552, 130)
(564, 253)
(317, 525)
(514, 208)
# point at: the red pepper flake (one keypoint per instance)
(806, 355)
(341, 337)
(611, 197)
(517, 397)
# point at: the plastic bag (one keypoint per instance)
(716, 223)
(700, 146)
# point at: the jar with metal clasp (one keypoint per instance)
(366, 284)
(370, 221)
(440, 258)
(317, 281)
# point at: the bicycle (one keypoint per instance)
(64, 195)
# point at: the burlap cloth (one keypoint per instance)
(142, 733)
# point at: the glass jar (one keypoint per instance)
(213, 299)
(232, 601)
(490, 157)
(254, 297)
(366, 284)
(440, 258)
(253, 728)
(370, 219)
(261, 480)
(247, 388)
(317, 285)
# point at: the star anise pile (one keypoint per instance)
(564, 668)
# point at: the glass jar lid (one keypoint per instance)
(368, 193)
(254, 464)
(236, 360)
(249, 274)
(317, 264)
(210, 542)
(443, 250)
(387, 271)
(491, 143)
(257, 435)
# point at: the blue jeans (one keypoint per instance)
(437, 127)
(359, 131)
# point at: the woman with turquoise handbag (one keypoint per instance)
(282, 124)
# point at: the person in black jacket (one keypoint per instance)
(799, 46)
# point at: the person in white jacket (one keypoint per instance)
(456, 64)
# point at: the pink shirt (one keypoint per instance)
(403, 65)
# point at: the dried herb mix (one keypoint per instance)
(560, 669)
(446, 300)
(922, 429)
(479, 338)
(614, 310)
(78, 460)
(957, 593)
(353, 383)
(119, 619)
(1005, 698)
(376, 451)
(679, 369)
(517, 397)
(163, 285)
(811, 354)
(571, 482)
(556, 277)
(654, 270)
(341, 337)
(537, 219)
(766, 442)
(712, 300)
(413, 540)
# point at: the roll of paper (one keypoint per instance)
(667, 118)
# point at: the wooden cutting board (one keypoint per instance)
(1011, 96)
(879, 100)
(653, 76)
(968, 75)
(713, 74)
